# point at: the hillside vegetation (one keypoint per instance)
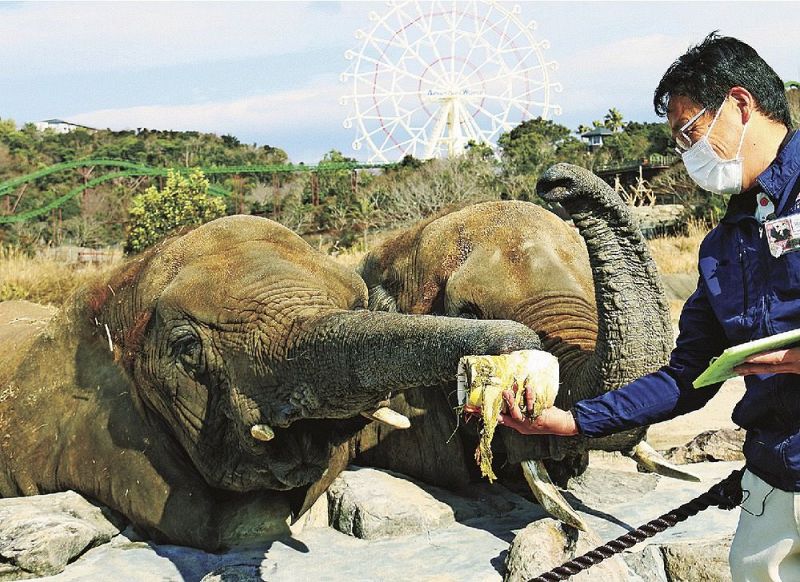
(337, 205)
(336, 209)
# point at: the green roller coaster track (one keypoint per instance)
(130, 169)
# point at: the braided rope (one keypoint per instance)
(726, 494)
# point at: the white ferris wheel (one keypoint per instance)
(431, 77)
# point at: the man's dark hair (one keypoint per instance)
(709, 70)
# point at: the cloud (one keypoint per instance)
(622, 74)
(631, 55)
(80, 36)
(313, 106)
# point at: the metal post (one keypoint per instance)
(314, 189)
(276, 193)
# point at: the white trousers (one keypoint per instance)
(766, 547)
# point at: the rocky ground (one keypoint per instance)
(374, 525)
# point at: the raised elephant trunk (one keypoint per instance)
(365, 355)
(633, 316)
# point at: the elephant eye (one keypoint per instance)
(187, 350)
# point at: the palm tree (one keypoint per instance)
(613, 119)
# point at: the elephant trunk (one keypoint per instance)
(634, 332)
(363, 356)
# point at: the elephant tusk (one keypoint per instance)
(653, 461)
(389, 417)
(548, 496)
(262, 432)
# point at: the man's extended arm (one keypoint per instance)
(658, 396)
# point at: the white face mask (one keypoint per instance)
(711, 172)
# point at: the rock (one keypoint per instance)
(474, 547)
(234, 573)
(698, 561)
(138, 562)
(647, 564)
(399, 508)
(41, 535)
(481, 500)
(658, 220)
(316, 516)
(715, 445)
(545, 544)
(604, 487)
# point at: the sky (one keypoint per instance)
(269, 72)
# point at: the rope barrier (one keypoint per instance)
(726, 494)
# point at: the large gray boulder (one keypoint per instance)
(40, 535)
(547, 543)
(646, 565)
(372, 504)
(724, 444)
(699, 561)
(472, 542)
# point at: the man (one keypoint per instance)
(730, 120)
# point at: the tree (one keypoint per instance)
(480, 150)
(531, 146)
(638, 141)
(793, 97)
(613, 119)
(184, 201)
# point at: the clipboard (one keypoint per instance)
(721, 368)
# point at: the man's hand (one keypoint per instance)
(551, 421)
(786, 361)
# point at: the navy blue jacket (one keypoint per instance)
(743, 293)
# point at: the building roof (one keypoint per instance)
(62, 122)
(598, 131)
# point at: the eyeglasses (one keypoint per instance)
(683, 141)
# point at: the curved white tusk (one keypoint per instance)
(262, 432)
(549, 496)
(389, 417)
(653, 461)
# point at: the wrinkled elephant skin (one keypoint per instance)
(207, 385)
(591, 292)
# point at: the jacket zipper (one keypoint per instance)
(745, 298)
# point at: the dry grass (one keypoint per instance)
(50, 281)
(678, 254)
(41, 279)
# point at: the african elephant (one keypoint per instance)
(211, 384)
(598, 307)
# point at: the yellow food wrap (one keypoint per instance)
(482, 380)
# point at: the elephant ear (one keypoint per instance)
(121, 304)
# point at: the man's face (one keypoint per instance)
(724, 137)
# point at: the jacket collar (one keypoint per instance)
(782, 171)
(773, 181)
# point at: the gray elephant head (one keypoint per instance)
(230, 360)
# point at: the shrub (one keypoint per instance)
(184, 201)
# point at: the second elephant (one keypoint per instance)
(595, 299)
